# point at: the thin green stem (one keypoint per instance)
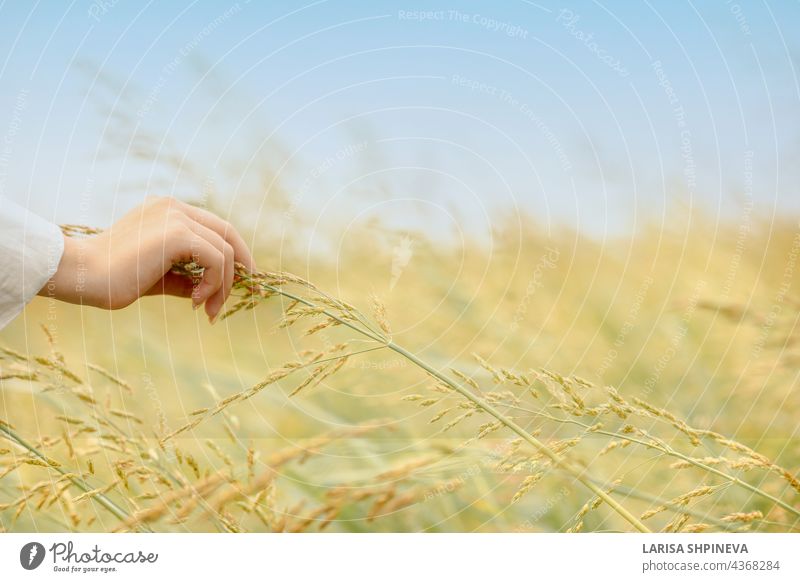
(558, 461)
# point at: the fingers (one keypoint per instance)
(212, 255)
(223, 229)
(197, 235)
(217, 299)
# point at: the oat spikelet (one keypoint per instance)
(462, 376)
(202, 488)
(697, 528)
(488, 428)
(58, 367)
(489, 368)
(321, 373)
(413, 397)
(677, 523)
(126, 415)
(741, 517)
(109, 376)
(453, 423)
(441, 414)
(182, 429)
(379, 314)
(527, 484)
(95, 492)
(680, 500)
(590, 505)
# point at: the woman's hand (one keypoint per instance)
(134, 257)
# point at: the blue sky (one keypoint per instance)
(585, 113)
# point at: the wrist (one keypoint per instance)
(72, 281)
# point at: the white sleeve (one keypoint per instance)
(30, 251)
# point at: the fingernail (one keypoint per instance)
(195, 306)
(213, 319)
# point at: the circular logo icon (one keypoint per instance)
(31, 555)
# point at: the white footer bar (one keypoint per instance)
(354, 557)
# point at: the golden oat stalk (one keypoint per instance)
(344, 314)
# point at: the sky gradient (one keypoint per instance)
(596, 115)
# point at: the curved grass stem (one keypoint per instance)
(542, 448)
(538, 445)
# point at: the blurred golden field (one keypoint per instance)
(695, 316)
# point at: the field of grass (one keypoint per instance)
(653, 380)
